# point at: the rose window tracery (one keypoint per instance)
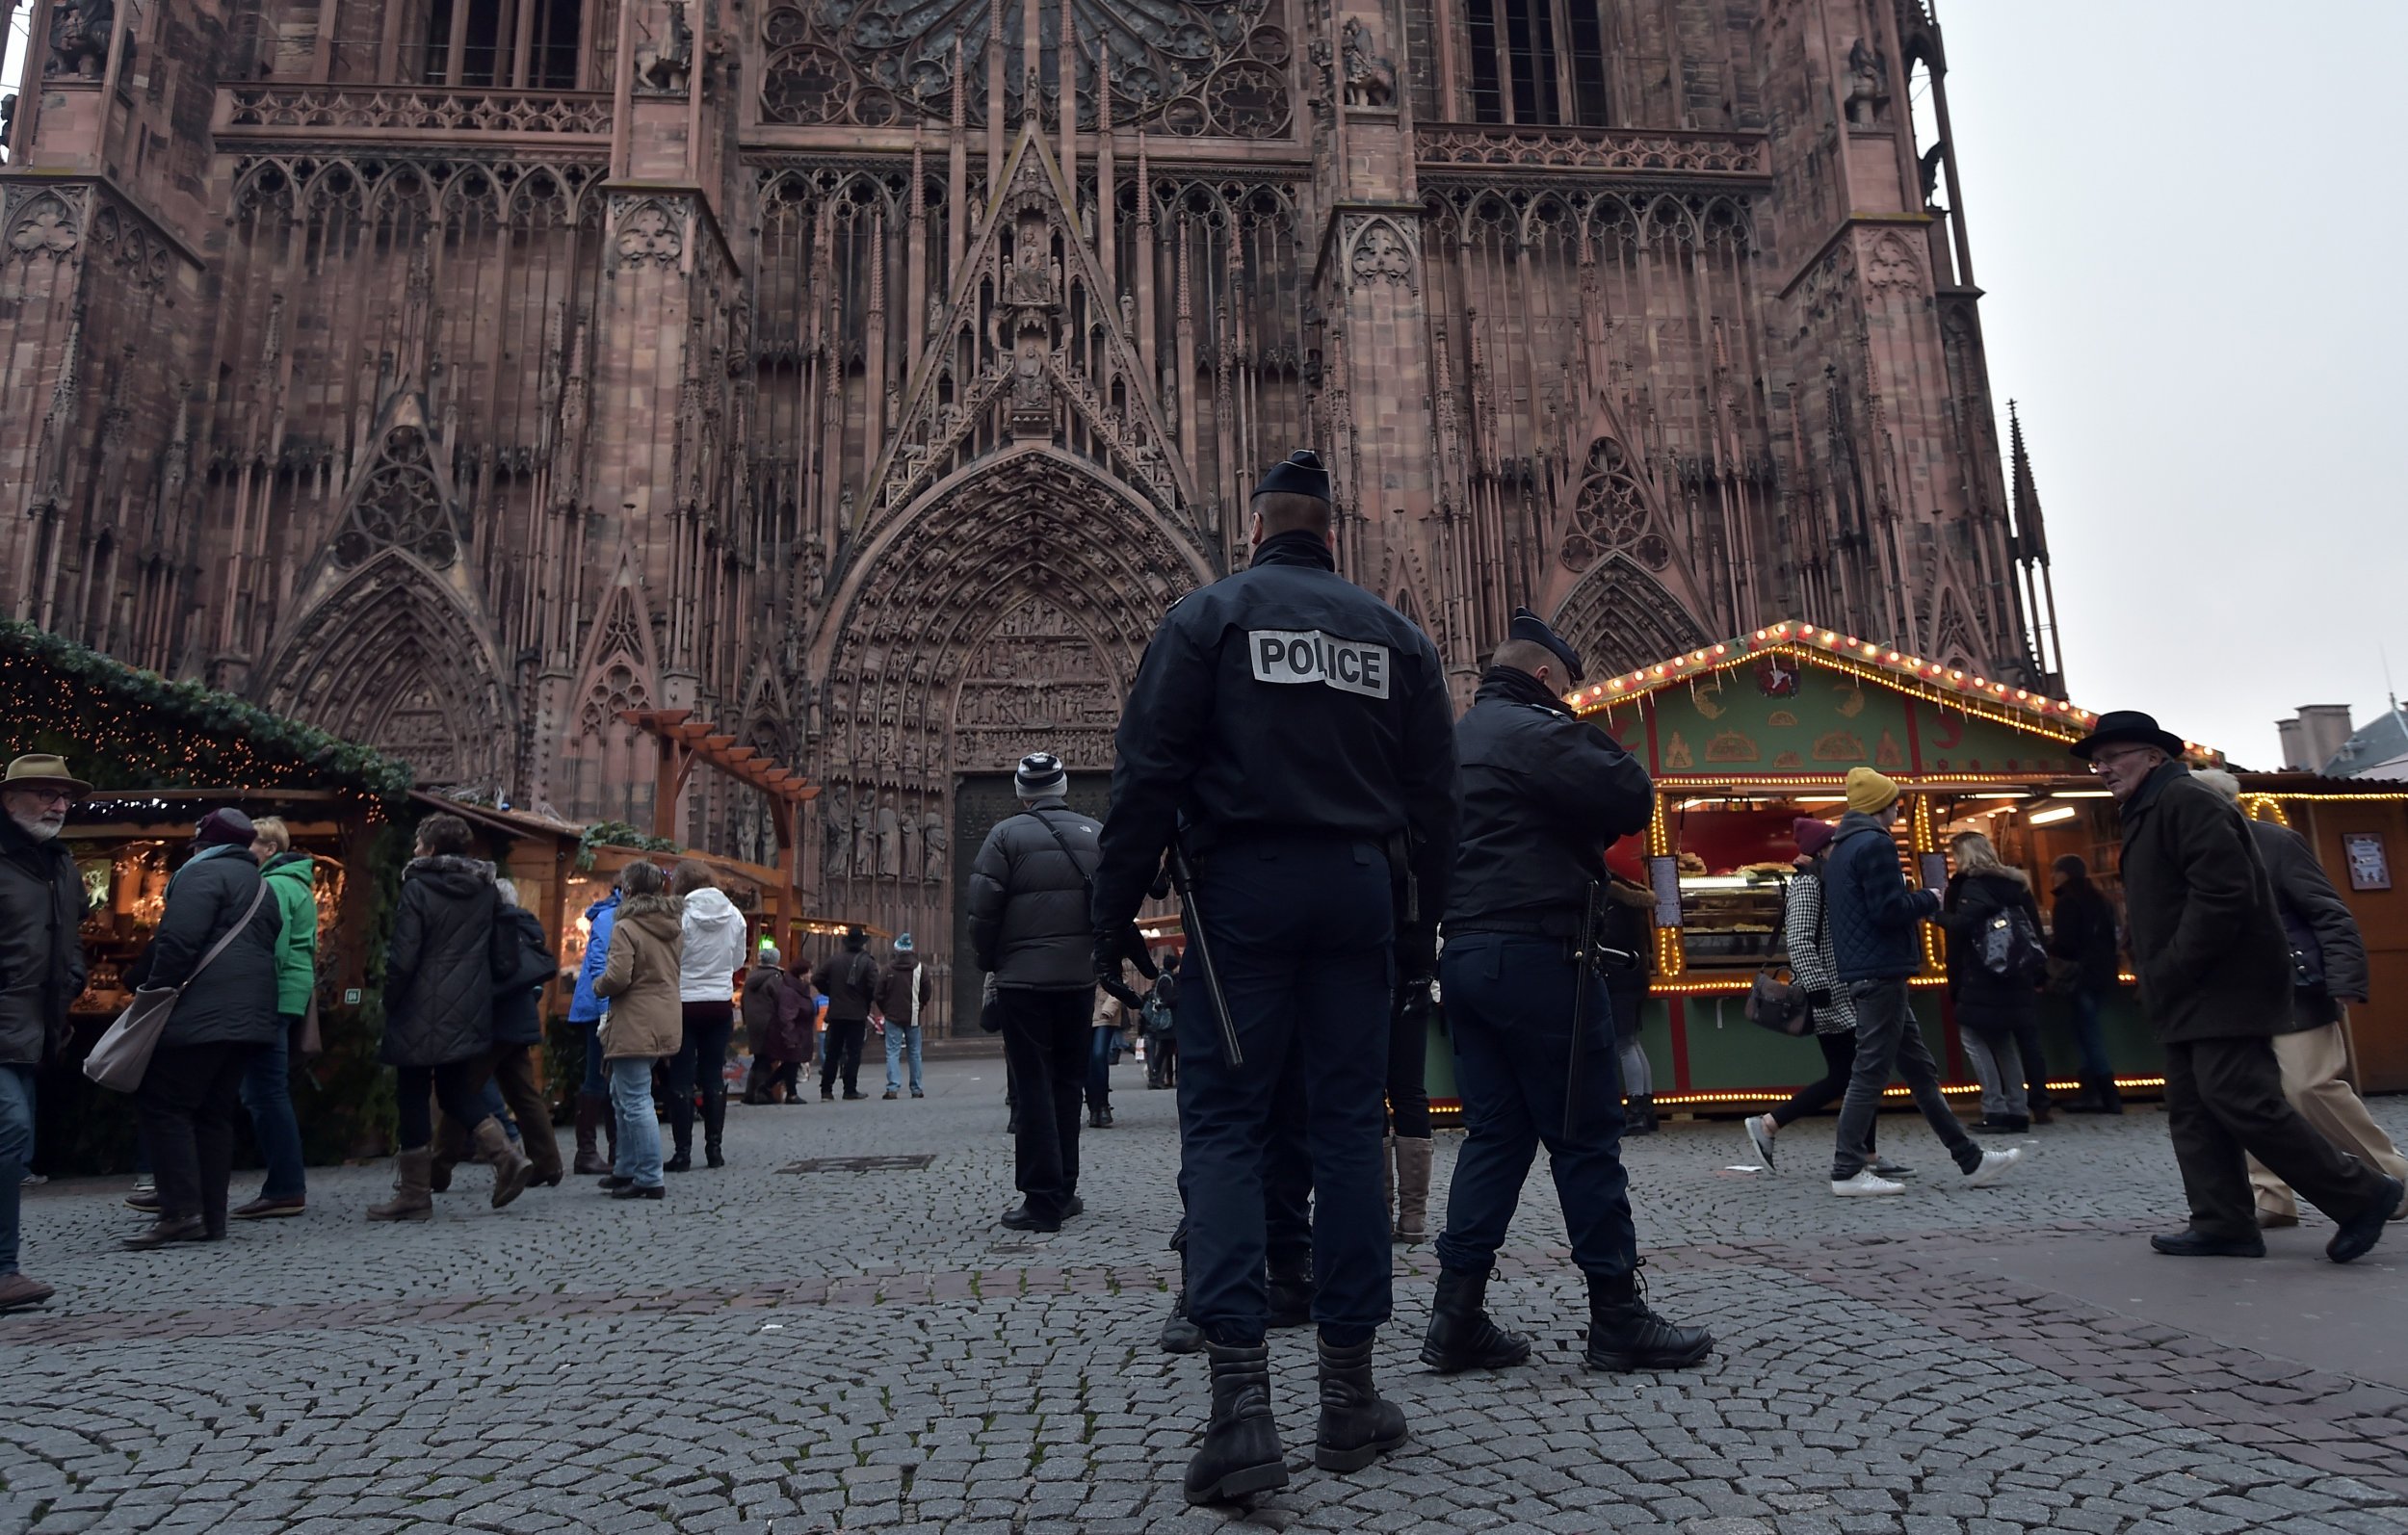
(1181, 67)
(401, 506)
(1610, 511)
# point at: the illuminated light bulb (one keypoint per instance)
(1700, 656)
(1760, 634)
(1618, 684)
(1828, 636)
(1723, 650)
(1659, 671)
(1957, 676)
(1892, 656)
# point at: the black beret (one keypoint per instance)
(1299, 473)
(1527, 625)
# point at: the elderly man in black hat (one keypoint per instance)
(1292, 733)
(42, 971)
(2215, 979)
(1544, 795)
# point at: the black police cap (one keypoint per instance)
(1299, 473)
(1527, 625)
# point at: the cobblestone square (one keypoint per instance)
(779, 1352)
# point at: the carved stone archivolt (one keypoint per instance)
(1620, 617)
(1180, 66)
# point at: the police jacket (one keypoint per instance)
(1867, 903)
(1027, 899)
(1282, 700)
(1544, 795)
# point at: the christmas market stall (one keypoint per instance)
(1744, 737)
(161, 755)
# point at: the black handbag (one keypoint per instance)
(1775, 1001)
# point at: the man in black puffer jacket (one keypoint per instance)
(42, 971)
(1030, 929)
(850, 982)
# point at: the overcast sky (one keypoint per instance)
(2184, 213)
(2184, 216)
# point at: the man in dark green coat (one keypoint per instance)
(2215, 979)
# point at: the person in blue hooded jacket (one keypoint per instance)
(586, 1012)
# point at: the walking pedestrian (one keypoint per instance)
(267, 1091)
(1874, 915)
(1806, 931)
(41, 974)
(1995, 964)
(2328, 967)
(440, 974)
(1291, 734)
(903, 993)
(1159, 1024)
(1029, 931)
(641, 980)
(1544, 795)
(715, 941)
(2082, 938)
(586, 1012)
(1107, 1026)
(192, 1090)
(850, 982)
(524, 962)
(765, 1014)
(2215, 979)
(798, 1020)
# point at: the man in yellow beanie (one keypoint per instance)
(1872, 913)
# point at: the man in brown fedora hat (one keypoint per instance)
(2215, 979)
(42, 970)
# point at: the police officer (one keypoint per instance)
(1544, 795)
(1290, 728)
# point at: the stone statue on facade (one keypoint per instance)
(661, 67)
(79, 36)
(1867, 84)
(1370, 79)
(889, 841)
(934, 843)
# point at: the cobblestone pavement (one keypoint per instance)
(779, 1352)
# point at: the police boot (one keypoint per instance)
(1179, 1335)
(1290, 1290)
(1624, 1335)
(1240, 1453)
(1460, 1335)
(1357, 1427)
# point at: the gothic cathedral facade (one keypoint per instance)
(867, 375)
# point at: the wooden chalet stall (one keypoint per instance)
(1744, 737)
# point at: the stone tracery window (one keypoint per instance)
(1539, 62)
(1182, 67)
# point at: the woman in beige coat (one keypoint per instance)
(640, 982)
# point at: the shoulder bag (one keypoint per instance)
(123, 1055)
(1775, 1001)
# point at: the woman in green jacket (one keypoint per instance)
(267, 1084)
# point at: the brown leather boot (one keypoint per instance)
(411, 1199)
(592, 1108)
(510, 1167)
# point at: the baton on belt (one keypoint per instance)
(1183, 878)
(1583, 947)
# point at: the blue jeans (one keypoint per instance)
(900, 1038)
(1510, 1002)
(17, 1153)
(639, 1128)
(2091, 1040)
(267, 1097)
(1099, 1068)
(1302, 929)
(597, 1078)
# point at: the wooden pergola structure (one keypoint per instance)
(686, 741)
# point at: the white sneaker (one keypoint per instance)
(1867, 1181)
(1994, 1166)
(1760, 1138)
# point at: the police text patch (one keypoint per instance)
(1307, 655)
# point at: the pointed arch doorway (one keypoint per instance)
(1004, 614)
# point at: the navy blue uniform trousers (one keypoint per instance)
(1303, 930)
(1509, 1012)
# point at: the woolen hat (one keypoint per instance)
(1813, 834)
(1299, 473)
(2119, 725)
(43, 771)
(1041, 773)
(902, 942)
(225, 828)
(1869, 793)
(2071, 866)
(1527, 625)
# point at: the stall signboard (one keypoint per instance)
(2369, 868)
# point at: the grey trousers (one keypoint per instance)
(1999, 1066)
(1889, 1039)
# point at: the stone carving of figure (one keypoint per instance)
(910, 830)
(661, 69)
(864, 840)
(889, 848)
(832, 829)
(1032, 282)
(934, 842)
(79, 36)
(1866, 81)
(1370, 79)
